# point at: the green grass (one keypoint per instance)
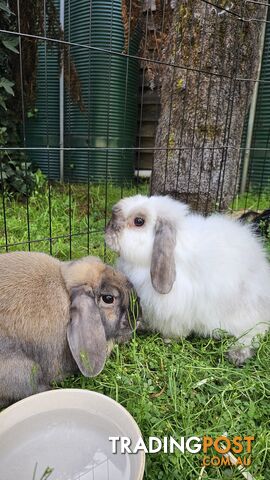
(59, 213)
(252, 201)
(185, 388)
(188, 388)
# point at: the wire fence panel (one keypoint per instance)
(101, 100)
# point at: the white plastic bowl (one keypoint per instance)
(67, 430)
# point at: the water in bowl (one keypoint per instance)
(73, 443)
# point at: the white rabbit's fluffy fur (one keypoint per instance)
(222, 274)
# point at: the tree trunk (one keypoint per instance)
(205, 101)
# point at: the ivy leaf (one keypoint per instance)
(7, 85)
(3, 104)
(11, 44)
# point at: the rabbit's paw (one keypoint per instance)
(239, 354)
(167, 341)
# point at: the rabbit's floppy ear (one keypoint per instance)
(85, 333)
(162, 263)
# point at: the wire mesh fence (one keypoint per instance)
(100, 96)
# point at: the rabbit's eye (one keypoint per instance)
(109, 299)
(138, 221)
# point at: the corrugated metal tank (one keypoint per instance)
(259, 162)
(109, 89)
(109, 84)
(42, 129)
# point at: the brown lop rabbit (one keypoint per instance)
(57, 318)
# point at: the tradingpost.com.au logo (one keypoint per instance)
(235, 451)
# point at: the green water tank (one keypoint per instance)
(258, 175)
(101, 135)
(42, 126)
(109, 84)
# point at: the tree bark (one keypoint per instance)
(204, 100)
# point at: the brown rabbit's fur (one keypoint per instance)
(35, 303)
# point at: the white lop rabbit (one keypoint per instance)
(192, 274)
